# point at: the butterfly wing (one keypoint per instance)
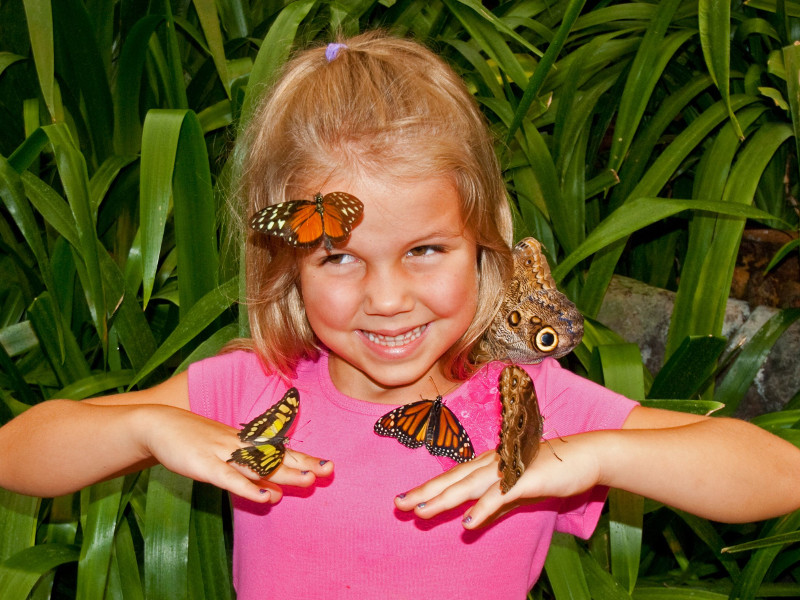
(521, 427)
(283, 220)
(267, 433)
(339, 212)
(302, 223)
(407, 423)
(275, 422)
(263, 459)
(446, 436)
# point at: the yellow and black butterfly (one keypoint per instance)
(267, 433)
(304, 222)
(431, 423)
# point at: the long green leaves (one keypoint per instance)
(641, 141)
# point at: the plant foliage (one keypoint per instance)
(636, 137)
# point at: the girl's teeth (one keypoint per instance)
(395, 340)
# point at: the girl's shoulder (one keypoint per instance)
(228, 387)
(569, 402)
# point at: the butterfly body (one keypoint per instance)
(431, 423)
(521, 427)
(267, 434)
(535, 320)
(303, 223)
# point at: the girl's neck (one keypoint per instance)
(356, 384)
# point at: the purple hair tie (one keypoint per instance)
(332, 51)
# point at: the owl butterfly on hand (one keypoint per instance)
(267, 434)
(431, 423)
(521, 427)
(303, 223)
(535, 320)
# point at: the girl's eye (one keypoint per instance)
(425, 250)
(337, 259)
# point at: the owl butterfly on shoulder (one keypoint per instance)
(267, 434)
(521, 427)
(535, 320)
(303, 223)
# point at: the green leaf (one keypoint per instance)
(209, 21)
(18, 522)
(274, 51)
(564, 571)
(19, 573)
(98, 537)
(95, 384)
(639, 213)
(198, 318)
(166, 534)
(714, 19)
(39, 15)
(554, 48)
(75, 179)
(745, 367)
(645, 71)
(689, 368)
(195, 212)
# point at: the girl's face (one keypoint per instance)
(399, 294)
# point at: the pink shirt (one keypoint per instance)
(343, 538)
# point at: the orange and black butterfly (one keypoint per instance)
(431, 423)
(304, 223)
(267, 434)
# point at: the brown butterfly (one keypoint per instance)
(521, 427)
(535, 320)
(304, 223)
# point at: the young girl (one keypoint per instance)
(374, 321)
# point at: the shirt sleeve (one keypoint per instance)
(225, 387)
(570, 404)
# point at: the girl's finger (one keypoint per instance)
(459, 482)
(236, 482)
(472, 487)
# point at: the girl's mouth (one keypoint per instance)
(392, 341)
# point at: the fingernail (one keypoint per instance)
(304, 472)
(322, 463)
(262, 491)
(421, 505)
(467, 520)
(401, 496)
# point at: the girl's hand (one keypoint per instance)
(577, 470)
(199, 448)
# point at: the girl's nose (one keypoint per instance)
(387, 292)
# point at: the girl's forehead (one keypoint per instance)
(402, 200)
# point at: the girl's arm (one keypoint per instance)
(61, 446)
(720, 469)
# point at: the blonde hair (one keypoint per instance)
(383, 105)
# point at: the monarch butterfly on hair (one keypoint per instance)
(303, 223)
(267, 433)
(431, 423)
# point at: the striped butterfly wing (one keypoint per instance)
(263, 459)
(407, 423)
(446, 436)
(303, 223)
(267, 433)
(431, 423)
